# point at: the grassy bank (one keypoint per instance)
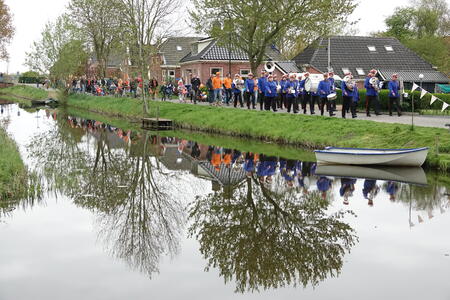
(12, 169)
(23, 94)
(302, 130)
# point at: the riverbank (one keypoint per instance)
(23, 94)
(311, 132)
(13, 175)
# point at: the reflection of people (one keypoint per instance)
(323, 185)
(288, 170)
(370, 190)
(347, 188)
(249, 163)
(391, 189)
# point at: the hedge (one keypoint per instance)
(419, 104)
(23, 79)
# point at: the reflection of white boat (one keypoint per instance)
(360, 156)
(414, 175)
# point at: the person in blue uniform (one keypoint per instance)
(347, 188)
(394, 95)
(262, 89)
(323, 185)
(283, 82)
(355, 100)
(324, 89)
(347, 95)
(250, 93)
(332, 89)
(370, 190)
(371, 94)
(291, 89)
(270, 94)
(392, 189)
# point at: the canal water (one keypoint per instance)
(121, 213)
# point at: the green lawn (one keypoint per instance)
(23, 94)
(12, 169)
(307, 131)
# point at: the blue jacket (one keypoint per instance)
(324, 88)
(250, 85)
(370, 90)
(323, 184)
(394, 89)
(301, 87)
(261, 84)
(332, 87)
(270, 89)
(355, 94)
(294, 85)
(283, 84)
(345, 91)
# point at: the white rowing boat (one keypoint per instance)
(360, 156)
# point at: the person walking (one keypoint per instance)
(181, 91)
(238, 89)
(210, 86)
(371, 94)
(195, 83)
(227, 84)
(394, 95)
(324, 89)
(291, 89)
(250, 93)
(270, 94)
(261, 88)
(217, 83)
(153, 88)
(347, 93)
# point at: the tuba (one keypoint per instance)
(349, 82)
(269, 67)
(376, 83)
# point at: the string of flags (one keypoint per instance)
(423, 92)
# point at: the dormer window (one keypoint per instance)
(388, 48)
(360, 71)
(345, 70)
(372, 48)
(179, 48)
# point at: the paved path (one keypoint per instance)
(419, 120)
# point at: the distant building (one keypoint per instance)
(361, 54)
(178, 57)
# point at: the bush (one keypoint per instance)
(419, 104)
(24, 79)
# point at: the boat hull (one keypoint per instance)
(384, 157)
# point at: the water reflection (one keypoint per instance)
(266, 222)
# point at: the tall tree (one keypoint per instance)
(99, 21)
(252, 26)
(6, 29)
(147, 22)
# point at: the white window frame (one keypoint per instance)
(186, 75)
(360, 73)
(244, 75)
(345, 70)
(218, 68)
(389, 48)
(171, 76)
(372, 48)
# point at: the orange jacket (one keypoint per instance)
(227, 83)
(217, 82)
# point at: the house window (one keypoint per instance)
(345, 70)
(372, 48)
(179, 48)
(187, 78)
(213, 71)
(388, 48)
(360, 71)
(172, 73)
(164, 74)
(244, 72)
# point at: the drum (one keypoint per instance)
(332, 96)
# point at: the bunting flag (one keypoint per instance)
(444, 106)
(414, 87)
(433, 98)
(423, 93)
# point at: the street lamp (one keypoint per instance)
(421, 79)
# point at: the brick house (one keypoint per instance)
(207, 57)
(361, 54)
(166, 63)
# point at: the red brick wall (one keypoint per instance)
(203, 69)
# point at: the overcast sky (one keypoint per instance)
(30, 17)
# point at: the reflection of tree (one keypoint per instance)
(262, 239)
(138, 219)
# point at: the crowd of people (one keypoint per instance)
(292, 92)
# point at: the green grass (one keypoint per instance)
(307, 131)
(435, 112)
(23, 94)
(12, 169)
